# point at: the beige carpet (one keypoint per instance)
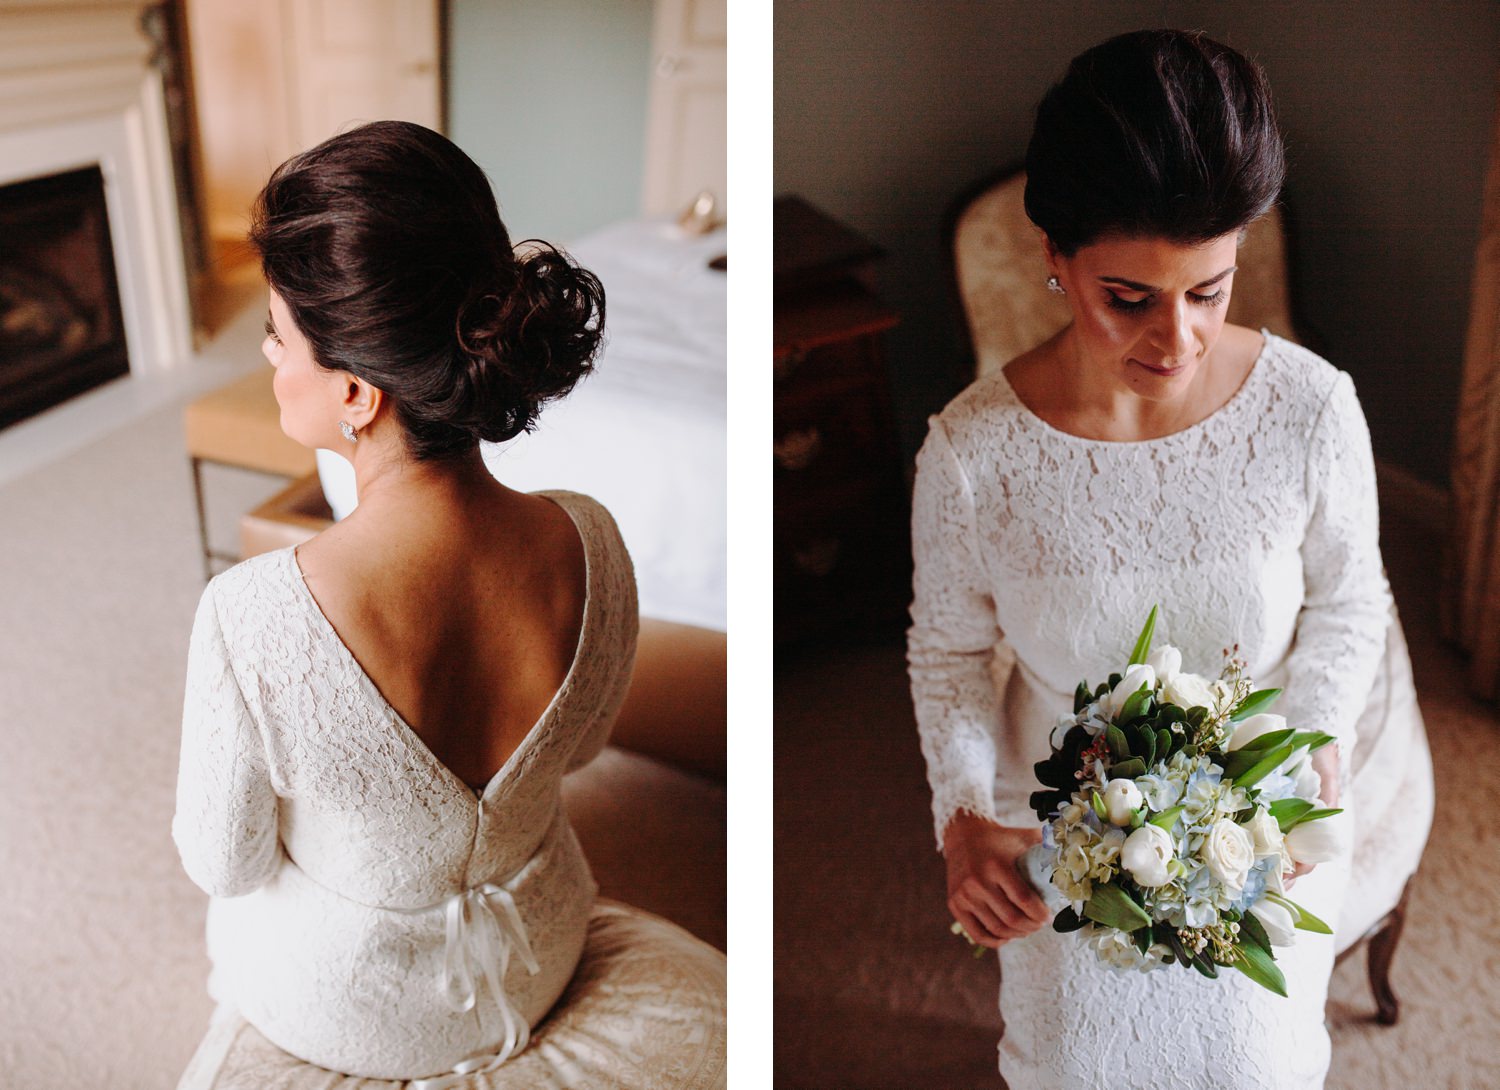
(101, 949)
(872, 993)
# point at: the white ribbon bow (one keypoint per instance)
(483, 926)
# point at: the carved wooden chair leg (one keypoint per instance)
(1382, 950)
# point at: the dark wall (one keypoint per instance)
(886, 110)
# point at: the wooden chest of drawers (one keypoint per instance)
(842, 534)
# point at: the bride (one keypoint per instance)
(1149, 452)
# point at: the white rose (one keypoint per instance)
(1280, 927)
(1166, 661)
(1137, 676)
(1316, 841)
(1229, 853)
(1249, 729)
(1190, 691)
(1265, 834)
(1121, 799)
(1145, 855)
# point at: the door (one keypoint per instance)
(686, 147)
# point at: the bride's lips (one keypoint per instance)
(1166, 371)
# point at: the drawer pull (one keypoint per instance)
(817, 557)
(797, 450)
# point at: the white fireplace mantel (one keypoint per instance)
(77, 89)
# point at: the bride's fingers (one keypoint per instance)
(1025, 898)
(975, 928)
(994, 922)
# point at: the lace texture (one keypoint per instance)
(318, 821)
(1038, 556)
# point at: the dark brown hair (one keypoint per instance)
(386, 245)
(1157, 133)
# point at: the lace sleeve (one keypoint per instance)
(623, 628)
(952, 638)
(225, 827)
(1346, 604)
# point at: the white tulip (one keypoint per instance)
(1189, 691)
(1307, 782)
(1316, 841)
(1265, 834)
(1249, 729)
(1145, 855)
(1137, 676)
(1280, 928)
(1166, 661)
(1229, 853)
(1121, 798)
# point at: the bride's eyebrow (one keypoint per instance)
(1120, 281)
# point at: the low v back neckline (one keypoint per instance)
(478, 794)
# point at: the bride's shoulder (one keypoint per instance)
(1303, 380)
(988, 406)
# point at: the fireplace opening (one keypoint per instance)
(61, 330)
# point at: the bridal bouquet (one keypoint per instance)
(1175, 807)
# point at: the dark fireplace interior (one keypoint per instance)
(61, 332)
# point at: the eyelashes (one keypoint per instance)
(271, 332)
(1218, 298)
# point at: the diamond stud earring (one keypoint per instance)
(1054, 285)
(348, 430)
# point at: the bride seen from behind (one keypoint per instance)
(377, 721)
(1149, 452)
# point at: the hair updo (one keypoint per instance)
(386, 245)
(1160, 133)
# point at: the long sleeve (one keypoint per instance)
(225, 826)
(1341, 629)
(952, 637)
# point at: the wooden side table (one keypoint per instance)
(239, 425)
(842, 553)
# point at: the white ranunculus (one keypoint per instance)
(1137, 676)
(1229, 853)
(1249, 729)
(1166, 661)
(1189, 691)
(1316, 841)
(1145, 855)
(1121, 799)
(1307, 782)
(1280, 927)
(1265, 834)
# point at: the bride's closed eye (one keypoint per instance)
(1118, 303)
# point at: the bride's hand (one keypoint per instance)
(1326, 760)
(987, 893)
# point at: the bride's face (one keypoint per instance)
(1147, 311)
(306, 393)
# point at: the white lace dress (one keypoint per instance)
(1038, 556)
(368, 909)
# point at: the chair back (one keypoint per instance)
(1000, 276)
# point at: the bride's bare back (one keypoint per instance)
(464, 612)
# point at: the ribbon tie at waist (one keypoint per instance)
(482, 928)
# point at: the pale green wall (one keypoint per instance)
(549, 97)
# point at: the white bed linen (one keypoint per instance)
(645, 434)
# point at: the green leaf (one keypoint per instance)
(1129, 769)
(1312, 739)
(1262, 768)
(1269, 740)
(1168, 714)
(1253, 703)
(1206, 967)
(1136, 703)
(1255, 931)
(1167, 818)
(1101, 690)
(1137, 819)
(1099, 808)
(1306, 921)
(1314, 815)
(1143, 938)
(1287, 811)
(1113, 907)
(1163, 744)
(1143, 643)
(1118, 747)
(1174, 943)
(1260, 967)
(1067, 920)
(1081, 697)
(1196, 715)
